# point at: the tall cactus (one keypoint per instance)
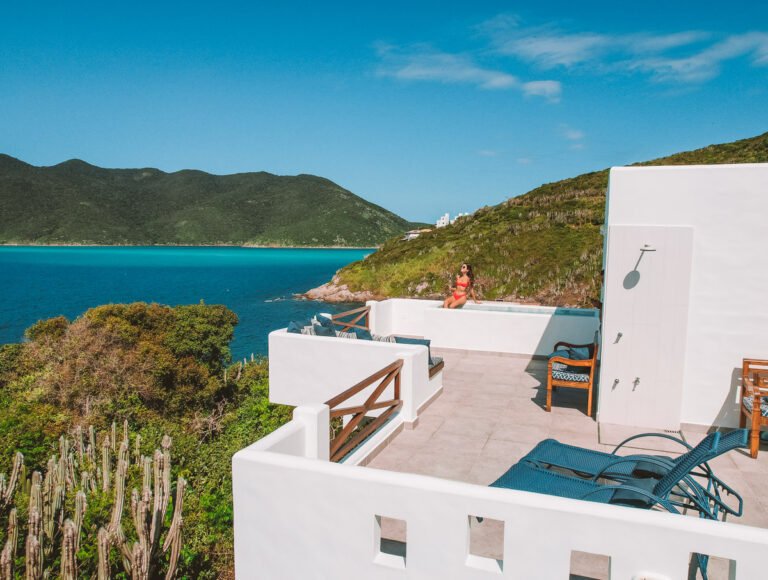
(34, 546)
(8, 489)
(8, 555)
(103, 546)
(54, 529)
(68, 551)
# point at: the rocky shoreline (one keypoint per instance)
(334, 292)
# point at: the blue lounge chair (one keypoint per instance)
(587, 463)
(672, 487)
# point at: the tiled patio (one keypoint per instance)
(491, 413)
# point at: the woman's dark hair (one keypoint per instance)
(470, 273)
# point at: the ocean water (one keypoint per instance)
(257, 283)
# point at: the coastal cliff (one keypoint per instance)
(544, 246)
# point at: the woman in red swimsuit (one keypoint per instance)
(464, 287)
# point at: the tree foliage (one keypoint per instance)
(166, 370)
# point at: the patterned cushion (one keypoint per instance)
(571, 377)
(308, 330)
(323, 330)
(362, 333)
(749, 401)
(570, 353)
(436, 360)
(341, 334)
(382, 338)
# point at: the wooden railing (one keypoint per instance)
(355, 432)
(357, 318)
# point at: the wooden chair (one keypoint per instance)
(754, 400)
(580, 375)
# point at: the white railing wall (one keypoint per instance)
(532, 332)
(313, 369)
(297, 517)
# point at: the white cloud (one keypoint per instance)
(423, 63)
(574, 136)
(706, 64)
(550, 90)
(688, 57)
(571, 134)
(549, 50)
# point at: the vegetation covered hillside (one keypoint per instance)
(164, 371)
(78, 203)
(544, 246)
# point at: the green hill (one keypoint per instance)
(78, 203)
(544, 246)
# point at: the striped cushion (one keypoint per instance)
(340, 334)
(749, 402)
(571, 377)
(309, 330)
(382, 338)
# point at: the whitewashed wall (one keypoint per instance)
(298, 517)
(726, 307)
(525, 333)
(313, 369)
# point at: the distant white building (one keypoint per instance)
(445, 219)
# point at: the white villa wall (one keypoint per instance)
(493, 329)
(303, 518)
(727, 309)
(400, 316)
(313, 369)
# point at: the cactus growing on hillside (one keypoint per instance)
(58, 503)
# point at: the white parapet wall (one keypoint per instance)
(489, 326)
(313, 369)
(685, 293)
(299, 516)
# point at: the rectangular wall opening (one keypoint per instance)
(485, 544)
(716, 568)
(587, 566)
(390, 541)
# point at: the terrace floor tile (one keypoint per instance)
(491, 413)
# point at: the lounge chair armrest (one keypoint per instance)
(571, 345)
(661, 435)
(662, 502)
(570, 362)
(748, 367)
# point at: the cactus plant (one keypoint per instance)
(58, 503)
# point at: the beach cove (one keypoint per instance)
(258, 284)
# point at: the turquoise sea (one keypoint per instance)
(257, 283)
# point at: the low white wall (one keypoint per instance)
(401, 316)
(727, 317)
(297, 518)
(528, 333)
(306, 435)
(313, 369)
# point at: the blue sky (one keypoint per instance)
(422, 107)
